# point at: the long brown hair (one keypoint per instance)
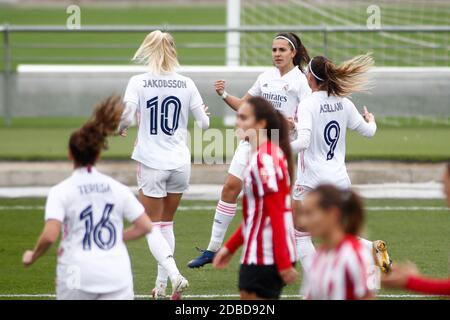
(342, 80)
(86, 143)
(347, 202)
(277, 127)
(301, 57)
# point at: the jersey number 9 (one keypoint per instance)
(331, 135)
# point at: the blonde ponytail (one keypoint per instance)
(157, 51)
(345, 79)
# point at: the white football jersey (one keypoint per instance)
(163, 104)
(327, 118)
(91, 206)
(284, 92)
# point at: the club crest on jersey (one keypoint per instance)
(286, 87)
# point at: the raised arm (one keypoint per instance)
(232, 101)
(364, 124)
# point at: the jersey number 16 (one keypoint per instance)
(98, 231)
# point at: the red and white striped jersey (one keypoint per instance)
(267, 230)
(340, 273)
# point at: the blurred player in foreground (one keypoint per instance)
(284, 85)
(89, 208)
(324, 118)
(341, 266)
(267, 230)
(161, 99)
(406, 276)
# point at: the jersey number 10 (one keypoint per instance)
(166, 127)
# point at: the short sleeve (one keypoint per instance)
(196, 100)
(304, 116)
(267, 174)
(131, 93)
(132, 208)
(255, 90)
(54, 207)
(354, 117)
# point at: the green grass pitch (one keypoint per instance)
(413, 232)
(46, 139)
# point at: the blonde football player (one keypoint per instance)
(161, 99)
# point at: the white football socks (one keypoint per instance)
(222, 219)
(162, 252)
(305, 249)
(166, 228)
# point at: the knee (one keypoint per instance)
(231, 190)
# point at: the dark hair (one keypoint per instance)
(86, 143)
(342, 80)
(347, 202)
(277, 127)
(448, 168)
(301, 58)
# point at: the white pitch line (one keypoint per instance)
(209, 296)
(212, 208)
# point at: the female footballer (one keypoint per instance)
(89, 207)
(267, 230)
(161, 100)
(342, 265)
(325, 117)
(284, 86)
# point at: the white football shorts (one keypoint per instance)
(158, 183)
(63, 292)
(299, 192)
(240, 160)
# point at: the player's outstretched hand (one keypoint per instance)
(27, 258)
(219, 85)
(289, 276)
(222, 258)
(369, 117)
(398, 276)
